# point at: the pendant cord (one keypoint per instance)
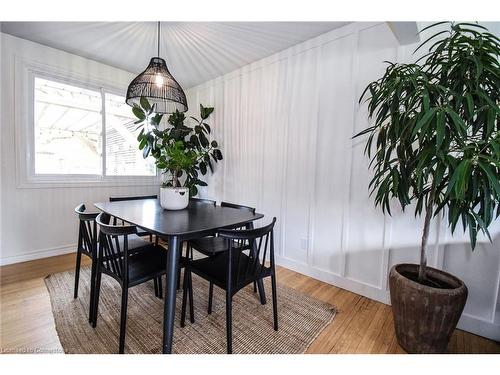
(158, 38)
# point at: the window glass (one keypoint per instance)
(68, 133)
(123, 157)
(67, 127)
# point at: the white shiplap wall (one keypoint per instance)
(285, 125)
(39, 222)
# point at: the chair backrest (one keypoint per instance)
(113, 257)
(202, 200)
(139, 197)
(87, 230)
(261, 241)
(238, 206)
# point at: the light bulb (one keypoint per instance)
(159, 80)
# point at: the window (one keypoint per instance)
(69, 124)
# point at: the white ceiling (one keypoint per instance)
(195, 51)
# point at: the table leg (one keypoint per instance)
(171, 289)
(260, 284)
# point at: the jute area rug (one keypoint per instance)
(301, 319)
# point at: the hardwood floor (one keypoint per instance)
(361, 325)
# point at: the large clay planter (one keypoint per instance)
(424, 316)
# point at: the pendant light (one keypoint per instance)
(158, 86)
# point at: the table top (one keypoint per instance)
(197, 218)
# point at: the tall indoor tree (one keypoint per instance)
(435, 143)
(435, 138)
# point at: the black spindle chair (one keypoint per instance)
(189, 251)
(87, 245)
(202, 200)
(129, 268)
(133, 198)
(157, 283)
(234, 269)
(212, 246)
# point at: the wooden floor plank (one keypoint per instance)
(349, 332)
(361, 325)
(368, 338)
(386, 333)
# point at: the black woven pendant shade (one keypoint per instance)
(158, 86)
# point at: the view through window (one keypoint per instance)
(122, 155)
(68, 139)
(68, 126)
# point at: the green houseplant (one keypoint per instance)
(435, 142)
(181, 152)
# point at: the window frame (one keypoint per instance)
(25, 134)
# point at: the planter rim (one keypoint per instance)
(171, 187)
(460, 284)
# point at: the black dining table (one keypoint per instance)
(197, 220)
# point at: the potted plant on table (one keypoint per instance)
(181, 152)
(436, 143)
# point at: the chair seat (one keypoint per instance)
(135, 243)
(143, 233)
(215, 269)
(147, 264)
(211, 245)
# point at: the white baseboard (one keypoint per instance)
(366, 290)
(479, 326)
(469, 323)
(46, 253)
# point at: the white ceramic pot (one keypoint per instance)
(174, 198)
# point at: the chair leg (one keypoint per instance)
(262, 292)
(179, 273)
(179, 278)
(184, 296)
(92, 290)
(123, 319)
(96, 297)
(275, 302)
(77, 272)
(155, 282)
(191, 303)
(229, 323)
(255, 286)
(160, 288)
(210, 297)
